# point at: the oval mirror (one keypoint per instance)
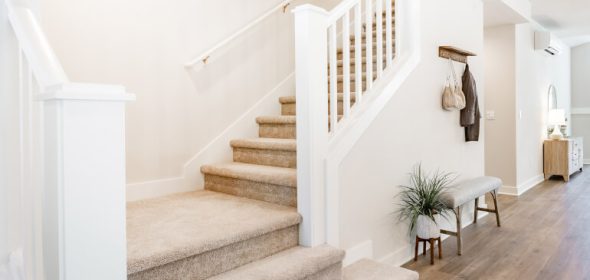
(552, 101)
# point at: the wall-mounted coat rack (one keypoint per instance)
(454, 53)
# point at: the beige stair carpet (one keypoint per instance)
(366, 269)
(322, 262)
(164, 233)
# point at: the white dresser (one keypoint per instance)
(563, 157)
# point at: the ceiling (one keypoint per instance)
(568, 19)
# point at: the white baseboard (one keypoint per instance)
(358, 252)
(522, 188)
(217, 150)
(587, 161)
(156, 188)
(396, 258)
(406, 253)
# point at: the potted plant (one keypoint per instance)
(421, 203)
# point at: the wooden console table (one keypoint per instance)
(563, 157)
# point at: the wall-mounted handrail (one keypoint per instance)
(203, 59)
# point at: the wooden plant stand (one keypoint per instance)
(432, 241)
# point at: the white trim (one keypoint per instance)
(587, 161)
(408, 57)
(216, 150)
(156, 188)
(581, 111)
(522, 188)
(361, 251)
(508, 190)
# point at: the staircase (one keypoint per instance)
(245, 224)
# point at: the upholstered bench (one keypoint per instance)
(457, 196)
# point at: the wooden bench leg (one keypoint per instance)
(495, 197)
(424, 247)
(475, 210)
(458, 216)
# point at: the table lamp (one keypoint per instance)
(556, 118)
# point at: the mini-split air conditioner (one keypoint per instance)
(546, 41)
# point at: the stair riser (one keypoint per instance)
(330, 273)
(353, 69)
(374, 33)
(339, 55)
(266, 157)
(290, 108)
(283, 131)
(214, 262)
(276, 194)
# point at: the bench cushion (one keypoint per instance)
(455, 196)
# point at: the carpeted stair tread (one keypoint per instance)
(254, 172)
(276, 120)
(266, 144)
(293, 264)
(167, 229)
(366, 269)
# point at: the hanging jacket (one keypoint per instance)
(470, 115)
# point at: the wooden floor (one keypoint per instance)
(545, 234)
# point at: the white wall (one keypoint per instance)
(500, 86)
(518, 79)
(10, 227)
(581, 95)
(535, 72)
(412, 128)
(144, 44)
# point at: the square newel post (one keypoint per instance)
(311, 68)
(84, 215)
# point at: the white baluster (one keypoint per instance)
(389, 32)
(369, 43)
(358, 53)
(379, 31)
(346, 64)
(333, 77)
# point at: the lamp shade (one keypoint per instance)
(556, 117)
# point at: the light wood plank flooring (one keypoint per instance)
(545, 234)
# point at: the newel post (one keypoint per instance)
(84, 182)
(311, 68)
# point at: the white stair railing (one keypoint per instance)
(72, 164)
(323, 135)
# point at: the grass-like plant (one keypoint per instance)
(422, 196)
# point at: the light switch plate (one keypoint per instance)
(491, 115)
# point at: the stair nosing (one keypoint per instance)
(274, 144)
(283, 176)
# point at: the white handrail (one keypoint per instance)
(44, 63)
(202, 59)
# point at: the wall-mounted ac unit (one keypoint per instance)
(546, 41)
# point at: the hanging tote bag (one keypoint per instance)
(453, 96)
